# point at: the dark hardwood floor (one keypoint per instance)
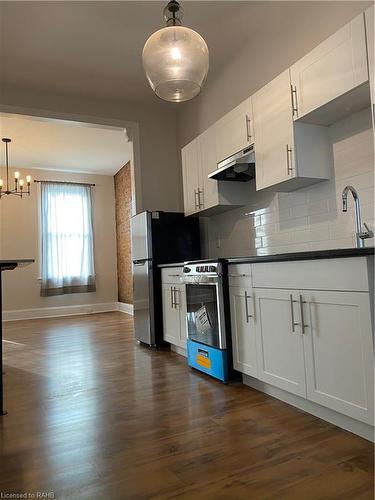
(93, 415)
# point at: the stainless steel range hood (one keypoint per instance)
(238, 167)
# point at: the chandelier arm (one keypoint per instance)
(18, 185)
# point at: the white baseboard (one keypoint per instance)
(349, 424)
(126, 308)
(53, 312)
(179, 350)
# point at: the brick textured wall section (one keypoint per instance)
(123, 193)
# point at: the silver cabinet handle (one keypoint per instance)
(195, 199)
(247, 296)
(200, 192)
(289, 167)
(175, 290)
(239, 275)
(301, 302)
(172, 303)
(293, 91)
(248, 135)
(294, 324)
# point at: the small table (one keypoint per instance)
(6, 265)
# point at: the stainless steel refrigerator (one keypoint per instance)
(157, 238)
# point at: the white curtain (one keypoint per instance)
(67, 239)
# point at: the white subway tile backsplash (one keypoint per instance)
(295, 224)
(310, 218)
(311, 208)
(265, 230)
(258, 242)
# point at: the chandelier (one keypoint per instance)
(175, 58)
(19, 185)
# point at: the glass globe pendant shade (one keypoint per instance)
(176, 63)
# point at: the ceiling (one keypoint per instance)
(61, 145)
(94, 48)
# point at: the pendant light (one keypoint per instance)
(175, 58)
(19, 185)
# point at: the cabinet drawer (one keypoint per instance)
(240, 275)
(347, 274)
(171, 275)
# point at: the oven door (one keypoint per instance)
(205, 314)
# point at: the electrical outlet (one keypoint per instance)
(218, 242)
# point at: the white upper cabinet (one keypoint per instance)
(331, 70)
(201, 194)
(234, 131)
(287, 121)
(273, 126)
(370, 37)
(287, 155)
(191, 174)
(209, 193)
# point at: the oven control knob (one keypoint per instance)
(199, 269)
(186, 270)
(212, 269)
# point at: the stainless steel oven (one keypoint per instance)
(205, 303)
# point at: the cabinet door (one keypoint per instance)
(332, 69)
(243, 330)
(279, 340)
(209, 195)
(338, 352)
(273, 129)
(180, 299)
(370, 37)
(171, 316)
(190, 176)
(235, 130)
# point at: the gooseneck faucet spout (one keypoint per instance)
(359, 234)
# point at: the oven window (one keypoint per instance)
(202, 314)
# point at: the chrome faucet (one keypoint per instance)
(360, 235)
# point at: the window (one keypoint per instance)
(66, 239)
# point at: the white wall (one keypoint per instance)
(309, 218)
(159, 184)
(19, 238)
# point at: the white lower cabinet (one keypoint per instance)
(280, 345)
(243, 330)
(338, 352)
(174, 314)
(317, 344)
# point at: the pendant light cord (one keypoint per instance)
(7, 163)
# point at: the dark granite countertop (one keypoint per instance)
(309, 255)
(8, 264)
